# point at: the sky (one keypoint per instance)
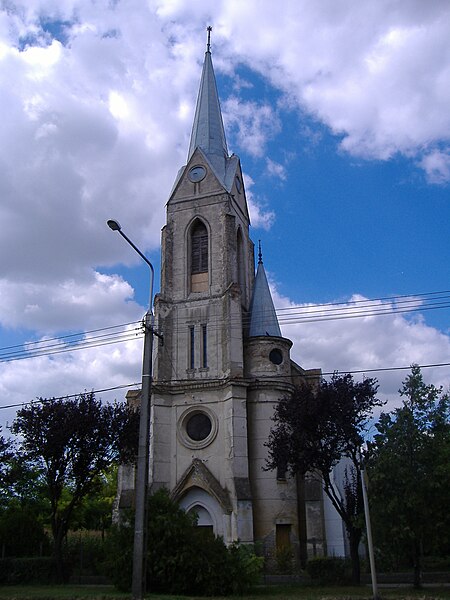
(339, 111)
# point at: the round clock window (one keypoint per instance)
(197, 173)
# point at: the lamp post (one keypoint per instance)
(141, 486)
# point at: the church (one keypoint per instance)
(224, 363)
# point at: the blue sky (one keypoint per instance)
(339, 113)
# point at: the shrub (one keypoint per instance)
(21, 533)
(39, 570)
(436, 563)
(85, 551)
(118, 565)
(328, 570)
(285, 560)
(182, 558)
(247, 567)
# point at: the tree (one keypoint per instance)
(409, 472)
(72, 441)
(22, 505)
(6, 456)
(97, 509)
(23, 510)
(22, 532)
(315, 428)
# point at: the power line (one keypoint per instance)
(322, 374)
(42, 400)
(365, 308)
(70, 335)
(390, 299)
(259, 378)
(87, 344)
(63, 344)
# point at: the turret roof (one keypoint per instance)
(263, 318)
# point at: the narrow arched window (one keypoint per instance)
(199, 263)
(241, 266)
(199, 257)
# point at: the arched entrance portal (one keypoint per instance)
(210, 514)
(204, 519)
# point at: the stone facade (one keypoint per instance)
(217, 375)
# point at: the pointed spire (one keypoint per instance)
(208, 132)
(263, 318)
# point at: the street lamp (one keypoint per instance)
(141, 486)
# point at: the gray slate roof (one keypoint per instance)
(263, 318)
(208, 132)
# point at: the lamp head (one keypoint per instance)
(114, 225)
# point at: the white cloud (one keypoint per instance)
(97, 368)
(70, 305)
(254, 123)
(83, 139)
(276, 169)
(377, 72)
(259, 217)
(364, 343)
(437, 166)
(95, 124)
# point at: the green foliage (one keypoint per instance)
(182, 558)
(71, 442)
(24, 486)
(329, 570)
(28, 570)
(85, 551)
(437, 563)
(95, 512)
(247, 567)
(118, 564)
(409, 473)
(284, 557)
(6, 457)
(315, 428)
(21, 533)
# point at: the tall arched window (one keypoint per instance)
(199, 257)
(199, 248)
(241, 266)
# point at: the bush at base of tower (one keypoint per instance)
(182, 558)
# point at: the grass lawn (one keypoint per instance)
(282, 592)
(65, 592)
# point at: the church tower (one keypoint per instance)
(199, 440)
(223, 365)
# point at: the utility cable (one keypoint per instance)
(299, 315)
(259, 378)
(70, 335)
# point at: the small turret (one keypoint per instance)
(263, 318)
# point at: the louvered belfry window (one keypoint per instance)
(199, 262)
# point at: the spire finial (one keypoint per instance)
(208, 45)
(259, 253)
